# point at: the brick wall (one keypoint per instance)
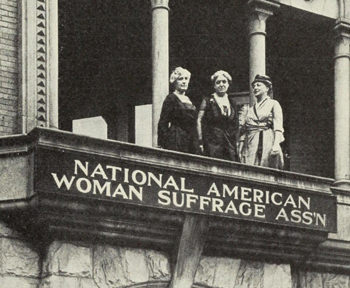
(8, 66)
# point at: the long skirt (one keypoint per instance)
(257, 149)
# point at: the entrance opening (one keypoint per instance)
(104, 62)
(300, 49)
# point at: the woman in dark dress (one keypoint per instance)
(177, 131)
(177, 123)
(217, 121)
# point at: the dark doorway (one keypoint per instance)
(104, 61)
(300, 61)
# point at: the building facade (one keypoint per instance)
(78, 211)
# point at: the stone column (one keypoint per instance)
(342, 102)
(160, 60)
(52, 63)
(259, 11)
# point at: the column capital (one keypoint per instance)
(342, 38)
(157, 4)
(342, 27)
(264, 7)
(259, 11)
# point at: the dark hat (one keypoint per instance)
(264, 79)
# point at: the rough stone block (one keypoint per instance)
(18, 282)
(322, 280)
(67, 259)
(109, 270)
(276, 276)
(310, 280)
(335, 281)
(6, 231)
(18, 258)
(135, 262)
(119, 267)
(15, 178)
(206, 271)
(250, 275)
(158, 265)
(226, 272)
(67, 282)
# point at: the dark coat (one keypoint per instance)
(177, 125)
(219, 132)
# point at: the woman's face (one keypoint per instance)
(259, 89)
(181, 83)
(221, 85)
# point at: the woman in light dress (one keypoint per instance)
(262, 127)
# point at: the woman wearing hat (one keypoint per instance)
(177, 123)
(263, 127)
(216, 123)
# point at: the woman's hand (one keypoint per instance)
(201, 148)
(276, 148)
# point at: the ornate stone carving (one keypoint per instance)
(41, 71)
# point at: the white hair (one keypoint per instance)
(219, 73)
(177, 72)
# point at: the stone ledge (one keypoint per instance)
(207, 166)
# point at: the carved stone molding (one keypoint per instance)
(41, 69)
(38, 64)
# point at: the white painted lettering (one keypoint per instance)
(165, 196)
(64, 180)
(135, 175)
(213, 189)
(80, 185)
(85, 169)
(99, 171)
(97, 187)
(183, 186)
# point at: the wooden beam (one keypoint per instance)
(190, 250)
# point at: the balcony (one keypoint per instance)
(68, 186)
